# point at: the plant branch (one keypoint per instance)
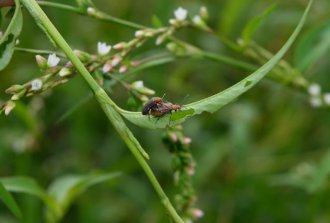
(108, 106)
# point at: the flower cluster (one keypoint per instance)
(184, 169)
(107, 61)
(317, 98)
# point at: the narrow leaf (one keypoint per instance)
(8, 40)
(320, 178)
(65, 189)
(255, 23)
(313, 47)
(217, 101)
(27, 185)
(9, 201)
(22, 185)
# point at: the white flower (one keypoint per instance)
(326, 98)
(103, 48)
(181, 14)
(53, 60)
(36, 85)
(314, 89)
(315, 102)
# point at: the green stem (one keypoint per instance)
(228, 60)
(98, 14)
(60, 6)
(105, 17)
(34, 51)
(106, 103)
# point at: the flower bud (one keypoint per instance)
(116, 60)
(64, 72)
(197, 213)
(123, 69)
(107, 67)
(203, 12)
(8, 107)
(139, 33)
(139, 86)
(198, 21)
(14, 89)
(119, 46)
(42, 62)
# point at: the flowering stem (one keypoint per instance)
(106, 103)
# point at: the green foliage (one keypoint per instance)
(254, 24)
(9, 201)
(61, 194)
(217, 101)
(8, 40)
(261, 150)
(314, 47)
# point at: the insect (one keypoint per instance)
(157, 107)
(151, 105)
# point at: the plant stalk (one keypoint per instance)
(106, 103)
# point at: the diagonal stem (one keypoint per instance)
(106, 103)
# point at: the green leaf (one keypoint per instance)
(313, 46)
(320, 177)
(9, 201)
(23, 185)
(217, 101)
(156, 22)
(27, 185)
(8, 40)
(255, 23)
(65, 189)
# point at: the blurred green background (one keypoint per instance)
(263, 158)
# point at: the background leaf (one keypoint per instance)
(8, 40)
(9, 201)
(313, 46)
(252, 26)
(27, 185)
(66, 188)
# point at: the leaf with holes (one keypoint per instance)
(219, 100)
